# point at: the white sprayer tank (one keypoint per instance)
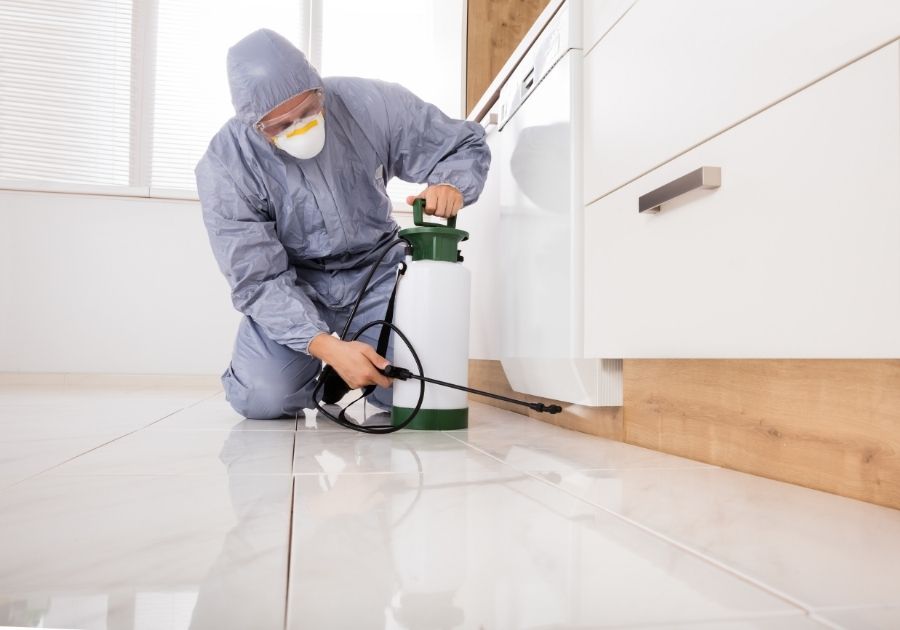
(432, 310)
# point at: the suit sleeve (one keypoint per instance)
(427, 146)
(264, 285)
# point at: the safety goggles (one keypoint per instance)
(304, 105)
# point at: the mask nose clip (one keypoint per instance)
(301, 130)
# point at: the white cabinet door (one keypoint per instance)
(671, 74)
(796, 255)
(482, 221)
(599, 17)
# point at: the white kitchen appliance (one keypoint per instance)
(540, 233)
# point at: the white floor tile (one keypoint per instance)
(880, 618)
(347, 451)
(145, 552)
(24, 458)
(820, 549)
(67, 412)
(530, 444)
(787, 622)
(235, 452)
(401, 550)
(215, 414)
(181, 520)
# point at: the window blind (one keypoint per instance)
(65, 90)
(118, 93)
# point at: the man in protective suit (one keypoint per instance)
(293, 195)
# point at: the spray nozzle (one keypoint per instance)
(542, 408)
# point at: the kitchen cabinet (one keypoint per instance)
(795, 255)
(670, 75)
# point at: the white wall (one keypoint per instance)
(110, 285)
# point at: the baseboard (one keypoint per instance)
(175, 381)
(828, 425)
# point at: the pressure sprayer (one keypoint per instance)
(428, 314)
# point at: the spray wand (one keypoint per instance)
(403, 374)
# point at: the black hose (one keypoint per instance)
(341, 418)
(362, 292)
(402, 373)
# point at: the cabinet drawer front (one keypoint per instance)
(795, 255)
(670, 75)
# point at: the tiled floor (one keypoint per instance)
(162, 509)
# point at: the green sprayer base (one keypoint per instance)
(432, 419)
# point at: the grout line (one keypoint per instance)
(684, 547)
(169, 415)
(287, 586)
(115, 439)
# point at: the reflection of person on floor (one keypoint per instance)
(385, 541)
(380, 545)
(351, 531)
(245, 586)
(351, 541)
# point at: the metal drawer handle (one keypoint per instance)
(703, 177)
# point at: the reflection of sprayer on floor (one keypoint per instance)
(428, 312)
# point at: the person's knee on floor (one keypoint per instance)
(269, 397)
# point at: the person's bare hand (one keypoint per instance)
(442, 200)
(356, 362)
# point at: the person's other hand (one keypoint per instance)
(356, 362)
(441, 200)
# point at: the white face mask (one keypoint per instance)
(304, 139)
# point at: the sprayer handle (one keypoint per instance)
(419, 209)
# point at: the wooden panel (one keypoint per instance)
(495, 28)
(602, 421)
(829, 425)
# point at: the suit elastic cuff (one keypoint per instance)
(305, 343)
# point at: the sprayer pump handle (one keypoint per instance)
(418, 210)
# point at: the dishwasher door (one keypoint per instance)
(537, 203)
(541, 243)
